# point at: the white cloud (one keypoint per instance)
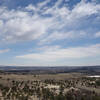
(97, 35)
(48, 48)
(4, 50)
(63, 35)
(28, 23)
(48, 24)
(85, 9)
(42, 4)
(31, 7)
(58, 3)
(64, 53)
(20, 26)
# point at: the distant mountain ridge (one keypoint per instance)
(51, 69)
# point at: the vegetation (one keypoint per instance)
(80, 88)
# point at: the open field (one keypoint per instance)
(59, 86)
(62, 76)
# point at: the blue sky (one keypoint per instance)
(49, 32)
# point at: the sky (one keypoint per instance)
(50, 32)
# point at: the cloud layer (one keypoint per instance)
(4, 51)
(47, 24)
(51, 28)
(59, 54)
